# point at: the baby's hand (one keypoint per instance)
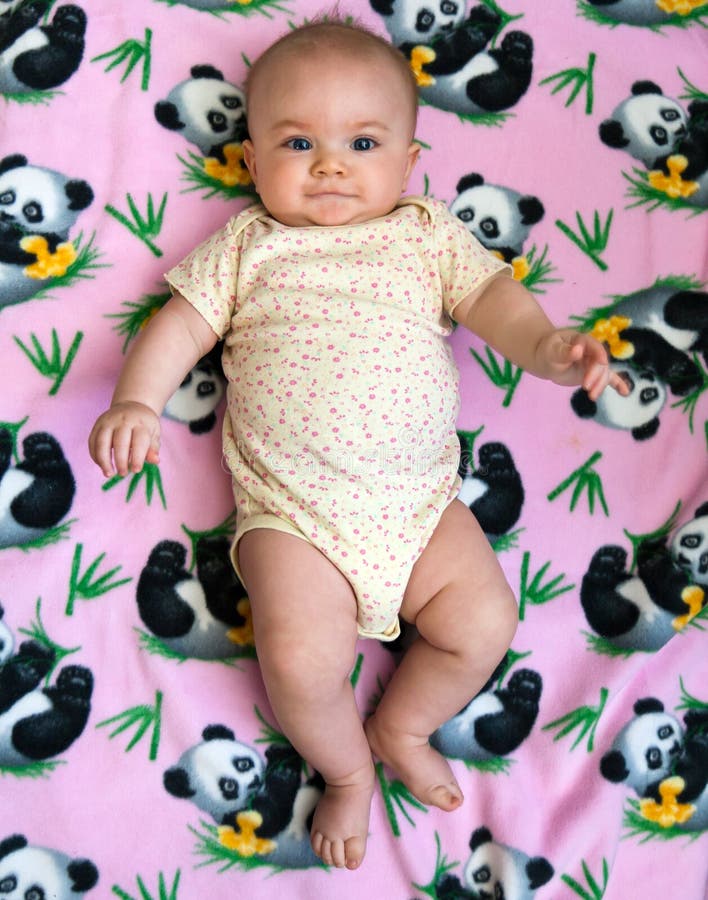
(127, 434)
(572, 357)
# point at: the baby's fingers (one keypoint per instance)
(100, 448)
(122, 440)
(619, 384)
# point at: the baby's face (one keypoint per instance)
(330, 139)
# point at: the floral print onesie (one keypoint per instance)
(340, 425)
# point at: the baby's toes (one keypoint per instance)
(354, 851)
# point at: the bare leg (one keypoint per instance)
(466, 616)
(304, 619)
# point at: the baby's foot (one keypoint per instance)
(423, 770)
(340, 825)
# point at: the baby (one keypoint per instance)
(334, 299)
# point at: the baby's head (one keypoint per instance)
(331, 115)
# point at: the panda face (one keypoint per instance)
(34, 873)
(652, 124)
(223, 773)
(492, 871)
(690, 548)
(491, 213)
(649, 743)
(416, 21)
(212, 110)
(33, 200)
(640, 407)
(198, 395)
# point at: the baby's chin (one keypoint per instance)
(329, 211)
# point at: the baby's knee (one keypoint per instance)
(301, 670)
(493, 624)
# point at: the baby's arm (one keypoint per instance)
(128, 433)
(506, 316)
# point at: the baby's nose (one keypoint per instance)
(328, 163)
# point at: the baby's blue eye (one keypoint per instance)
(299, 144)
(364, 143)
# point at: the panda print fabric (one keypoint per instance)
(139, 755)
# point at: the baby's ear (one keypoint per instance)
(249, 158)
(413, 154)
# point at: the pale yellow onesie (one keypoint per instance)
(342, 390)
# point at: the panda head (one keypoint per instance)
(35, 200)
(208, 111)
(647, 125)
(28, 871)
(638, 412)
(498, 217)
(494, 870)
(418, 22)
(689, 546)
(644, 750)
(218, 775)
(197, 398)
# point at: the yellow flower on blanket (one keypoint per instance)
(243, 634)
(519, 265)
(245, 842)
(48, 265)
(680, 7)
(233, 171)
(421, 56)
(673, 184)
(692, 596)
(669, 812)
(607, 331)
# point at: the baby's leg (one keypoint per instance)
(304, 620)
(466, 616)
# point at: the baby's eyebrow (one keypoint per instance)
(295, 125)
(289, 125)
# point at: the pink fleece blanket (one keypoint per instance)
(138, 755)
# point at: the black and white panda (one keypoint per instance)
(657, 131)
(495, 722)
(657, 329)
(499, 217)
(37, 206)
(36, 493)
(39, 57)
(639, 611)
(460, 74)
(495, 870)
(493, 490)
(196, 399)
(28, 871)
(645, 749)
(224, 777)
(198, 615)
(637, 413)
(689, 546)
(633, 12)
(648, 125)
(206, 110)
(688, 783)
(655, 755)
(36, 722)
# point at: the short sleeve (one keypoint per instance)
(207, 277)
(464, 264)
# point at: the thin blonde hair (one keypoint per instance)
(330, 32)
